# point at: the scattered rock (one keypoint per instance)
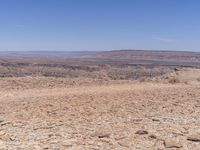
(2, 133)
(119, 137)
(171, 143)
(18, 124)
(4, 123)
(153, 136)
(141, 132)
(136, 120)
(177, 131)
(155, 119)
(194, 137)
(90, 142)
(102, 133)
(12, 138)
(124, 143)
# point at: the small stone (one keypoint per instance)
(153, 136)
(155, 119)
(171, 143)
(141, 132)
(194, 137)
(90, 142)
(2, 145)
(119, 137)
(177, 131)
(12, 138)
(102, 133)
(2, 133)
(124, 143)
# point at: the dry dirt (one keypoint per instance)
(58, 113)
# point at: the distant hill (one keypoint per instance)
(169, 56)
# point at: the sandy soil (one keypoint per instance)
(111, 115)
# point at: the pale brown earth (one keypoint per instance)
(87, 114)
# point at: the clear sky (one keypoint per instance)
(99, 24)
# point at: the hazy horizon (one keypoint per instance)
(88, 25)
(71, 51)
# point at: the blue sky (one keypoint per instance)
(99, 24)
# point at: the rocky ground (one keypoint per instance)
(58, 114)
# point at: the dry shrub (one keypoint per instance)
(174, 80)
(143, 79)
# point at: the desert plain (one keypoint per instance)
(118, 100)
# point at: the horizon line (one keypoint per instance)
(153, 50)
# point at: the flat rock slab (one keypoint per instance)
(194, 137)
(141, 132)
(172, 143)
